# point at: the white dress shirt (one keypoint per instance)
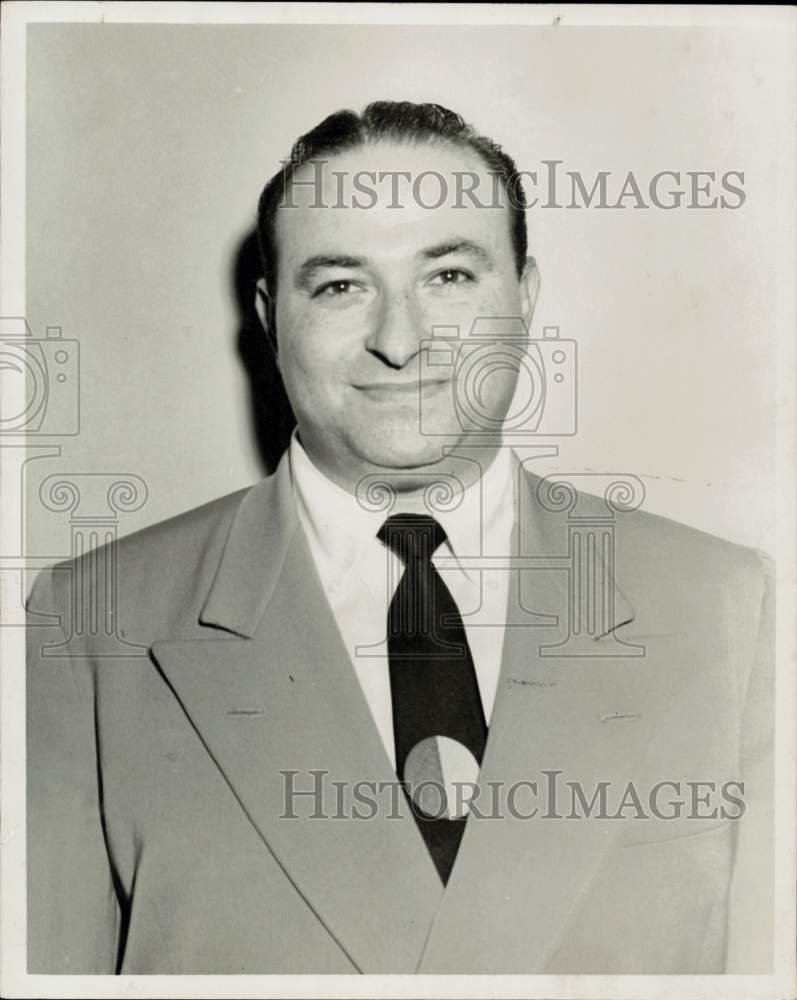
(360, 575)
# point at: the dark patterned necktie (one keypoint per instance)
(438, 719)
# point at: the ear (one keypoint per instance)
(264, 307)
(529, 289)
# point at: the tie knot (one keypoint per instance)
(412, 536)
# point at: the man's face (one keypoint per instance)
(359, 292)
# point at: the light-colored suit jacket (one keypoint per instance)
(157, 837)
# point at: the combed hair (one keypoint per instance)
(400, 121)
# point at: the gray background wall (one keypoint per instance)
(148, 146)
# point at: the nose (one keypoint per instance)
(396, 335)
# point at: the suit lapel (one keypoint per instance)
(273, 697)
(518, 881)
(278, 701)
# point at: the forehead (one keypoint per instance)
(386, 199)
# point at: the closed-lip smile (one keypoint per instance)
(412, 385)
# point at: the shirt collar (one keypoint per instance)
(337, 524)
(476, 520)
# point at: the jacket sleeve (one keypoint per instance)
(73, 916)
(751, 904)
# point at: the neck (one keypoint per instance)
(459, 469)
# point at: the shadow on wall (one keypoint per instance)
(271, 415)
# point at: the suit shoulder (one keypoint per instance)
(187, 526)
(644, 536)
(660, 530)
(187, 539)
(675, 542)
(670, 571)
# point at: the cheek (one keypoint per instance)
(472, 314)
(504, 300)
(307, 356)
(319, 350)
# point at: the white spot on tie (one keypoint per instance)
(439, 773)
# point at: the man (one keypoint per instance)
(388, 617)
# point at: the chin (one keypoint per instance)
(409, 450)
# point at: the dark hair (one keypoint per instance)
(396, 120)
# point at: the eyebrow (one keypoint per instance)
(458, 246)
(321, 261)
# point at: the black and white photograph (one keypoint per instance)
(398, 474)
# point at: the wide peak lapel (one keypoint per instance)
(282, 713)
(253, 555)
(520, 875)
(571, 535)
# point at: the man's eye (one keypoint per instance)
(451, 276)
(334, 289)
